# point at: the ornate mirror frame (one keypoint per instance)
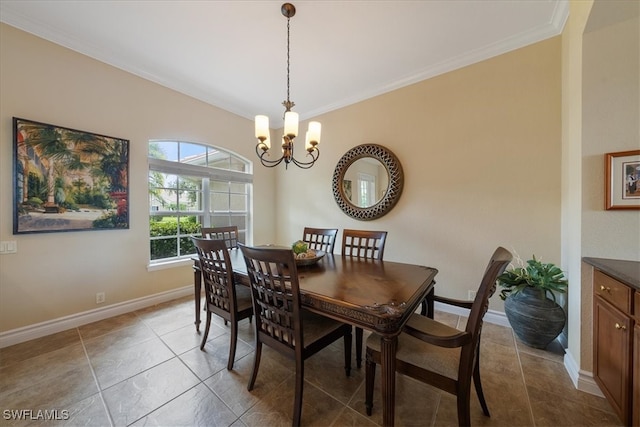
(394, 189)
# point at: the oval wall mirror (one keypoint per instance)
(367, 182)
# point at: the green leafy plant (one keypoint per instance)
(546, 277)
(299, 247)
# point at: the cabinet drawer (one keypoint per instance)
(612, 291)
(636, 307)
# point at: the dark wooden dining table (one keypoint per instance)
(375, 295)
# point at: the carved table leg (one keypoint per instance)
(388, 346)
(197, 285)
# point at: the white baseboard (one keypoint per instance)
(492, 316)
(26, 333)
(582, 380)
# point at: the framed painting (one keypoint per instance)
(622, 180)
(68, 180)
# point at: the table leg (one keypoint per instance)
(197, 285)
(431, 303)
(388, 346)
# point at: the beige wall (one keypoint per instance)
(611, 111)
(58, 274)
(480, 148)
(610, 123)
(600, 114)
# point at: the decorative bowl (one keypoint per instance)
(310, 261)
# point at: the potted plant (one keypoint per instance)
(530, 301)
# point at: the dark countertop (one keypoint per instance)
(627, 272)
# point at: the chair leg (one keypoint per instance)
(206, 331)
(464, 416)
(256, 365)
(370, 377)
(347, 353)
(297, 403)
(478, 385)
(233, 344)
(359, 332)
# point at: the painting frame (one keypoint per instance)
(622, 180)
(67, 179)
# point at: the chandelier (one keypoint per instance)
(290, 124)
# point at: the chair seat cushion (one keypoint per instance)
(315, 326)
(413, 351)
(243, 298)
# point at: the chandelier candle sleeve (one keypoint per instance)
(291, 124)
(314, 132)
(262, 127)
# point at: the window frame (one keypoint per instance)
(206, 212)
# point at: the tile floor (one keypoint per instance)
(145, 368)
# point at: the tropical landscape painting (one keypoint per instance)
(68, 180)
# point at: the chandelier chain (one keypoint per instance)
(288, 61)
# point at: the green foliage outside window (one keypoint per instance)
(168, 226)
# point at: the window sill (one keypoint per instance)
(170, 264)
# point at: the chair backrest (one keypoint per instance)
(363, 243)
(322, 239)
(497, 264)
(275, 292)
(217, 274)
(228, 234)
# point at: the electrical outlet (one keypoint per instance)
(100, 297)
(471, 295)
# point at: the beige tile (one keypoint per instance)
(186, 338)
(552, 377)
(550, 409)
(38, 346)
(112, 367)
(325, 370)
(195, 407)
(140, 395)
(101, 327)
(48, 366)
(89, 412)
(276, 409)
(144, 382)
(170, 318)
(214, 357)
(498, 334)
(231, 386)
(350, 418)
(119, 339)
(416, 403)
(554, 350)
(448, 319)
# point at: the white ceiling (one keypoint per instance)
(232, 54)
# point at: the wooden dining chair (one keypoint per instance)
(440, 355)
(281, 321)
(322, 239)
(229, 234)
(222, 296)
(363, 244)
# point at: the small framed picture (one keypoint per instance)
(622, 180)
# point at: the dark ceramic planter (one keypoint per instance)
(536, 319)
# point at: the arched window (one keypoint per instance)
(193, 186)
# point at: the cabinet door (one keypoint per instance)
(636, 374)
(612, 356)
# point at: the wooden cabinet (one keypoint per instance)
(615, 348)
